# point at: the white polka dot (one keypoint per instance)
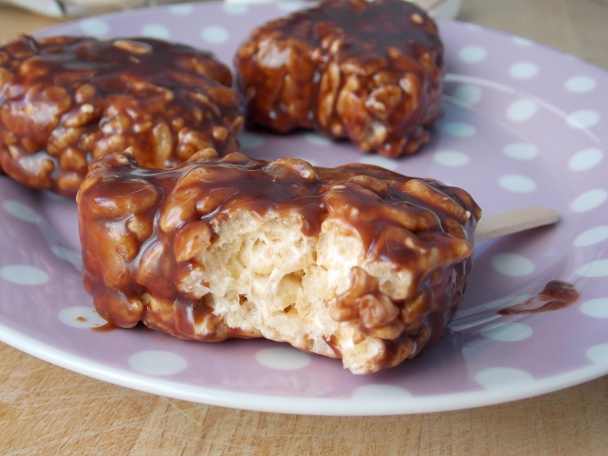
(94, 26)
(468, 94)
(459, 129)
(182, 9)
(512, 264)
(523, 70)
(380, 391)
(215, 34)
(585, 118)
(598, 354)
(592, 236)
(451, 158)
(507, 332)
(22, 274)
(472, 54)
(157, 362)
(250, 140)
(580, 84)
(521, 41)
(81, 317)
(597, 268)
(282, 358)
(290, 6)
(498, 377)
(157, 31)
(317, 140)
(21, 211)
(589, 200)
(585, 159)
(517, 183)
(379, 160)
(521, 151)
(521, 110)
(68, 255)
(596, 308)
(235, 9)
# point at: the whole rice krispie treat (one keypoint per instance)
(371, 72)
(356, 262)
(65, 100)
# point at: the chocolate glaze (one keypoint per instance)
(399, 219)
(260, 186)
(366, 28)
(104, 328)
(370, 72)
(92, 97)
(65, 60)
(556, 295)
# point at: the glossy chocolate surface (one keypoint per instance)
(371, 72)
(133, 222)
(65, 100)
(556, 295)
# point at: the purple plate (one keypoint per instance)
(524, 125)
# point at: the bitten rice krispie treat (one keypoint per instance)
(355, 262)
(66, 100)
(371, 72)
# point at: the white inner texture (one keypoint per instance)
(265, 274)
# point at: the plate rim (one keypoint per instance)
(305, 405)
(322, 406)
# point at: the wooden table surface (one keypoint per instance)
(45, 409)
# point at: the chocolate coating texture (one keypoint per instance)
(65, 100)
(350, 256)
(371, 72)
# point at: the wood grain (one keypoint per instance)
(514, 221)
(45, 409)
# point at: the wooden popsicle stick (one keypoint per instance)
(514, 221)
